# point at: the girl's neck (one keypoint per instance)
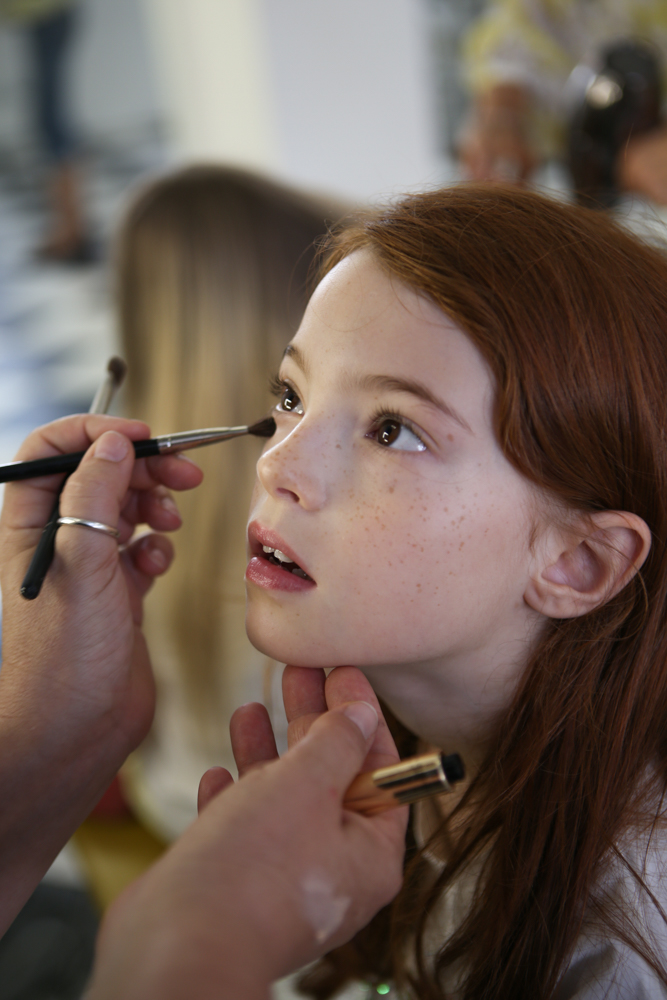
(440, 701)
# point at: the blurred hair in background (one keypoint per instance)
(212, 268)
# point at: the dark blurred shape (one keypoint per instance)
(47, 953)
(51, 35)
(50, 39)
(621, 102)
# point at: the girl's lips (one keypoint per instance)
(266, 572)
(271, 577)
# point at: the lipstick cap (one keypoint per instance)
(405, 782)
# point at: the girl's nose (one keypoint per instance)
(295, 469)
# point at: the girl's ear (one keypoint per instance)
(580, 568)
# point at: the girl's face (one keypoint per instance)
(408, 529)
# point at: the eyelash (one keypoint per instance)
(278, 386)
(383, 414)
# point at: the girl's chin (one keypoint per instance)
(288, 649)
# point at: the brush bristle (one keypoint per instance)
(117, 368)
(263, 428)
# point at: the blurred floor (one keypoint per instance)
(48, 951)
(56, 321)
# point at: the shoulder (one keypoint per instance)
(633, 893)
(609, 970)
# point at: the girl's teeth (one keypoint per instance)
(280, 556)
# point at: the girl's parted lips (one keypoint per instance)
(268, 545)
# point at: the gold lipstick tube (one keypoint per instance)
(405, 782)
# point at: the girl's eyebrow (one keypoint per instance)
(293, 352)
(390, 383)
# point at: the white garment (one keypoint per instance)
(601, 968)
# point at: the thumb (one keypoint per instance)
(336, 745)
(95, 492)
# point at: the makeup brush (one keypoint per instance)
(163, 445)
(109, 386)
(43, 554)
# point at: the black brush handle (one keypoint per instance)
(43, 555)
(64, 463)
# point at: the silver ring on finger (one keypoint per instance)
(95, 525)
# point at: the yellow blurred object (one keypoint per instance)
(537, 44)
(31, 10)
(113, 853)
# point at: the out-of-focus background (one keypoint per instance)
(341, 104)
(360, 100)
(352, 99)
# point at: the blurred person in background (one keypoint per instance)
(532, 65)
(50, 29)
(212, 271)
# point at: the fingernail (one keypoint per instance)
(112, 447)
(364, 717)
(168, 504)
(182, 457)
(159, 559)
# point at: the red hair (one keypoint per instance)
(570, 313)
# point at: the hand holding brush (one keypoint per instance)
(43, 555)
(165, 444)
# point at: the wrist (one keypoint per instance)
(171, 954)
(53, 776)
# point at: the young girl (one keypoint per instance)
(465, 497)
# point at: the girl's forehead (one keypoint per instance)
(358, 291)
(362, 322)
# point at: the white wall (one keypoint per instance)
(353, 94)
(113, 77)
(333, 96)
(211, 61)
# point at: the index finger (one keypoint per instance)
(347, 684)
(28, 503)
(304, 699)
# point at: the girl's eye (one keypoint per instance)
(289, 402)
(392, 433)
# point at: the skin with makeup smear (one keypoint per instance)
(322, 908)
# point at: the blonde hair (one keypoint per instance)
(212, 268)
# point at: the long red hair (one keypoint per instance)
(570, 312)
